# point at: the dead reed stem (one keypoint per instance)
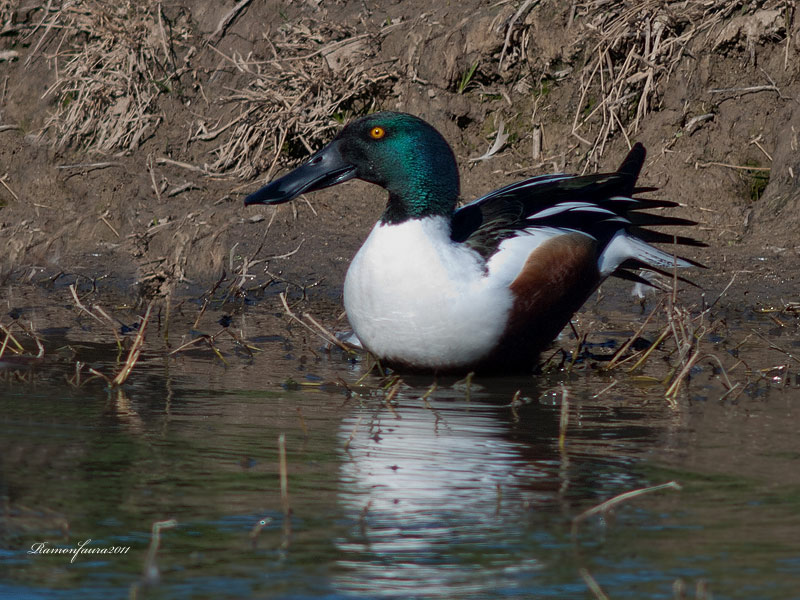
(151, 573)
(284, 479)
(256, 530)
(468, 386)
(17, 346)
(643, 358)
(133, 355)
(352, 434)
(284, 476)
(564, 419)
(320, 331)
(390, 396)
(592, 584)
(80, 304)
(429, 392)
(612, 503)
(624, 348)
(10, 337)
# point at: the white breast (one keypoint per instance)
(414, 296)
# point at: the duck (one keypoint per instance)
(487, 286)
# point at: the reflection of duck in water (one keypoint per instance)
(460, 498)
(429, 485)
(487, 286)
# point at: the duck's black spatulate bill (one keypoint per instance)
(324, 169)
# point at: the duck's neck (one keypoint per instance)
(399, 209)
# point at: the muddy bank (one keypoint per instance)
(129, 136)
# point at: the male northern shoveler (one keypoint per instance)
(491, 284)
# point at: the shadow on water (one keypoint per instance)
(455, 492)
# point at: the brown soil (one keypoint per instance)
(158, 209)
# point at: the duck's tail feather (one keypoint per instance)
(633, 202)
(657, 237)
(631, 167)
(625, 247)
(630, 251)
(651, 219)
(624, 273)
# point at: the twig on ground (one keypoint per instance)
(226, 21)
(5, 185)
(729, 166)
(510, 28)
(183, 165)
(90, 166)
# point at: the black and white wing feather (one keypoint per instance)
(602, 206)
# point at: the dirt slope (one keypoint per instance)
(129, 135)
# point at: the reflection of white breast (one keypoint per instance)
(423, 481)
(414, 296)
(417, 464)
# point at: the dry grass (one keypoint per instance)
(8, 9)
(636, 48)
(682, 338)
(111, 62)
(11, 343)
(319, 76)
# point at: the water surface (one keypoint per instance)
(455, 492)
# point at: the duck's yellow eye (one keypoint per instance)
(377, 133)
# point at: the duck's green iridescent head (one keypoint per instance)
(396, 151)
